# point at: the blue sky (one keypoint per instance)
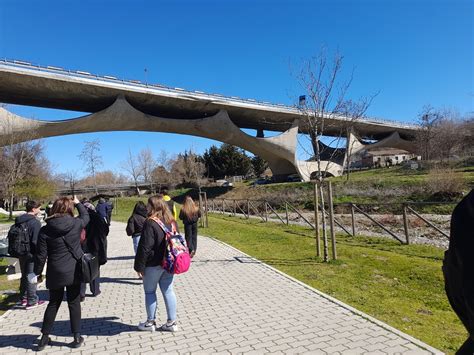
(414, 52)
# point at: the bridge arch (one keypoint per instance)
(279, 151)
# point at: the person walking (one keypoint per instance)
(150, 255)
(170, 203)
(28, 290)
(96, 233)
(190, 215)
(59, 243)
(135, 223)
(104, 209)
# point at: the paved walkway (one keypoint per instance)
(227, 303)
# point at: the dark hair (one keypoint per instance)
(30, 205)
(63, 205)
(164, 191)
(157, 207)
(137, 205)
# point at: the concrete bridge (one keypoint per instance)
(129, 105)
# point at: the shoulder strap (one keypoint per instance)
(70, 249)
(162, 226)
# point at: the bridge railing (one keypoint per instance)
(138, 83)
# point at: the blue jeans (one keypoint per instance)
(27, 289)
(136, 240)
(155, 275)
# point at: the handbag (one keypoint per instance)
(89, 264)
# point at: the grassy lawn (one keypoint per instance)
(397, 284)
(7, 300)
(400, 285)
(4, 219)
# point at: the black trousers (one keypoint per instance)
(73, 302)
(190, 233)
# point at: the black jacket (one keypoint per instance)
(63, 269)
(97, 231)
(104, 209)
(187, 220)
(458, 264)
(136, 221)
(152, 245)
(34, 227)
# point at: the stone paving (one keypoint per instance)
(227, 303)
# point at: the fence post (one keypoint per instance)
(353, 220)
(248, 209)
(266, 211)
(235, 208)
(201, 210)
(286, 211)
(331, 221)
(405, 223)
(223, 206)
(316, 219)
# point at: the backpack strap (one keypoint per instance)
(164, 228)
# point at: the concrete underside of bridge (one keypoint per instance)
(279, 151)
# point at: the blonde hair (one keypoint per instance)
(189, 207)
(158, 208)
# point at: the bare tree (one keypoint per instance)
(164, 159)
(326, 101)
(146, 163)
(91, 158)
(443, 133)
(17, 160)
(132, 167)
(70, 178)
(188, 168)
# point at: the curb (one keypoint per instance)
(342, 304)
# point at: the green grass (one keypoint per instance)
(4, 219)
(400, 285)
(7, 300)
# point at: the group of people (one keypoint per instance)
(61, 242)
(65, 237)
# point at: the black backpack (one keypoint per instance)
(18, 240)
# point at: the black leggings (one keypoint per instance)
(73, 302)
(190, 232)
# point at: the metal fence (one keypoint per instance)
(265, 211)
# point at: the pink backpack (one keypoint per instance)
(177, 259)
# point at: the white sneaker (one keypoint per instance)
(149, 325)
(169, 327)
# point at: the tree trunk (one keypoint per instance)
(323, 224)
(10, 215)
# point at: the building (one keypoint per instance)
(382, 157)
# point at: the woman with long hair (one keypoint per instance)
(150, 254)
(59, 243)
(190, 215)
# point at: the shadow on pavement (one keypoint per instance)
(122, 280)
(90, 326)
(124, 257)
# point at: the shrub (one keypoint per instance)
(444, 184)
